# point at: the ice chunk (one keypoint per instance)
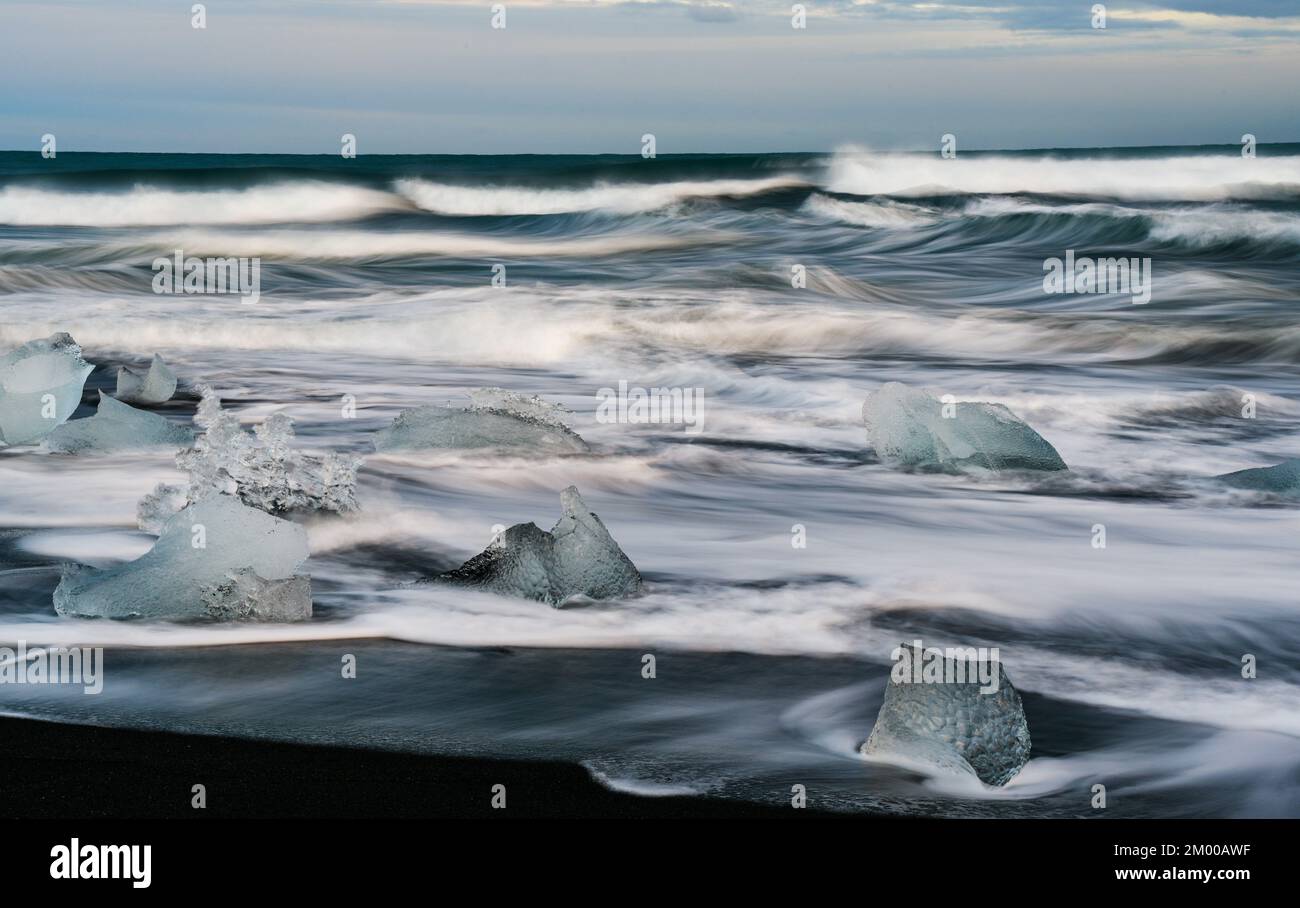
(500, 400)
(951, 724)
(261, 469)
(217, 559)
(908, 427)
(1282, 478)
(117, 427)
(156, 385)
(495, 419)
(40, 387)
(154, 510)
(577, 557)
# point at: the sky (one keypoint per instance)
(573, 76)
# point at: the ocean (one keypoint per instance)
(783, 560)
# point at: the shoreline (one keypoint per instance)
(54, 770)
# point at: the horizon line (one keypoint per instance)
(634, 154)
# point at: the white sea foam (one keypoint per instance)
(361, 245)
(783, 621)
(144, 206)
(621, 198)
(1214, 226)
(535, 326)
(1194, 227)
(1192, 178)
(885, 214)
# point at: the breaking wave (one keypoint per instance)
(145, 206)
(621, 198)
(1202, 178)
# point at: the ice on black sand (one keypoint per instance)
(154, 385)
(495, 419)
(216, 559)
(40, 387)
(577, 557)
(969, 723)
(909, 428)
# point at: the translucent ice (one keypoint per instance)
(909, 427)
(1282, 478)
(952, 724)
(494, 419)
(40, 387)
(261, 469)
(117, 427)
(217, 559)
(155, 509)
(155, 385)
(577, 557)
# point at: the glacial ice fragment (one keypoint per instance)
(155, 385)
(154, 510)
(577, 557)
(217, 559)
(495, 419)
(40, 387)
(117, 427)
(1282, 478)
(952, 724)
(261, 469)
(907, 427)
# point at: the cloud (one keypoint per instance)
(712, 12)
(576, 76)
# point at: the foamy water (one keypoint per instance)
(771, 658)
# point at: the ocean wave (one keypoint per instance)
(454, 327)
(885, 214)
(619, 198)
(1189, 178)
(145, 206)
(535, 326)
(1003, 206)
(1198, 228)
(777, 622)
(1102, 412)
(20, 279)
(361, 245)
(1214, 228)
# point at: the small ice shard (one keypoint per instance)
(155, 385)
(217, 559)
(968, 721)
(40, 387)
(1282, 478)
(908, 427)
(261, 469)
(495, 419)
(577, 557)
(117, 427)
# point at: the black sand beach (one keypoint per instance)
(54, 770)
